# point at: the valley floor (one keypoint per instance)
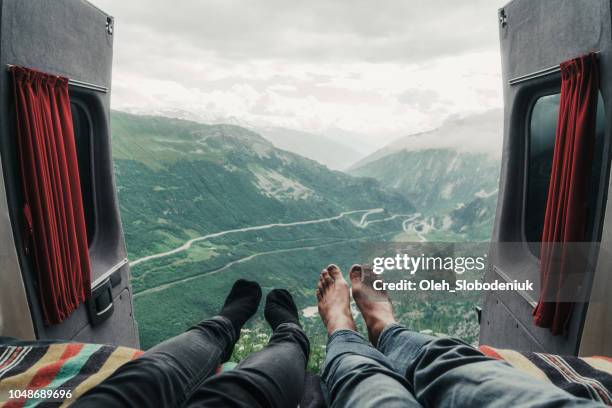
(362, 224)
(174, 289)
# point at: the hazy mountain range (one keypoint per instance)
(335, 148)
(451, 174)
(332, 152)
(479, 133)
(435, 180)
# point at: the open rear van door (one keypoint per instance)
(71, 38)
(536, 37)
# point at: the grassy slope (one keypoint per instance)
(434, 179)
(178, 179)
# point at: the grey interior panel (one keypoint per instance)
(536, 35)
(116, 330)
(70, 38)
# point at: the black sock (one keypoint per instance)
(241, 303)
(280, 308)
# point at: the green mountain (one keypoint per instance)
(435, 180)
(177, 179)
(326, 150)
(473, 220)
(451, 174)
(204, 205)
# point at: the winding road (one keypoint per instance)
(238, 261)
(363, 223)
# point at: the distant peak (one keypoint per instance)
(479, 134)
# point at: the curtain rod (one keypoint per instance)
(538, 74)
(78, 84)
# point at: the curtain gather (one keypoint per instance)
(53, 207)
(565, 221)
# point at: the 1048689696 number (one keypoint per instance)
(42, 393)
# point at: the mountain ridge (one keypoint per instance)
(479, 133)
(177, 178)
(326, 150)
(434, 179)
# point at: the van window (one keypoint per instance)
(541, 143)
(83, 135)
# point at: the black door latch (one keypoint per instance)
(100, 306)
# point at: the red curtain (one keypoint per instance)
(53, 207)
(565, 221)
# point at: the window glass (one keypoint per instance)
(541, 143)
(83, 137)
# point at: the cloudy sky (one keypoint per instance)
(381, 69)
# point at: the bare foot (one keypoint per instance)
(333, 297)
(375, 305)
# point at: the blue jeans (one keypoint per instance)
(409, 369)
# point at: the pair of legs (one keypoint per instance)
(181, 370)
(397, 367)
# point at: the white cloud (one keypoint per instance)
(381, 69)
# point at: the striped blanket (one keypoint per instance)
(78, 367)
(29, 374)
(586, 377)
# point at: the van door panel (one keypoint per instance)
(70, 38)
(536, 35)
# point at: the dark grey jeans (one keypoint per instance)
(409, 369)
(179, 372)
